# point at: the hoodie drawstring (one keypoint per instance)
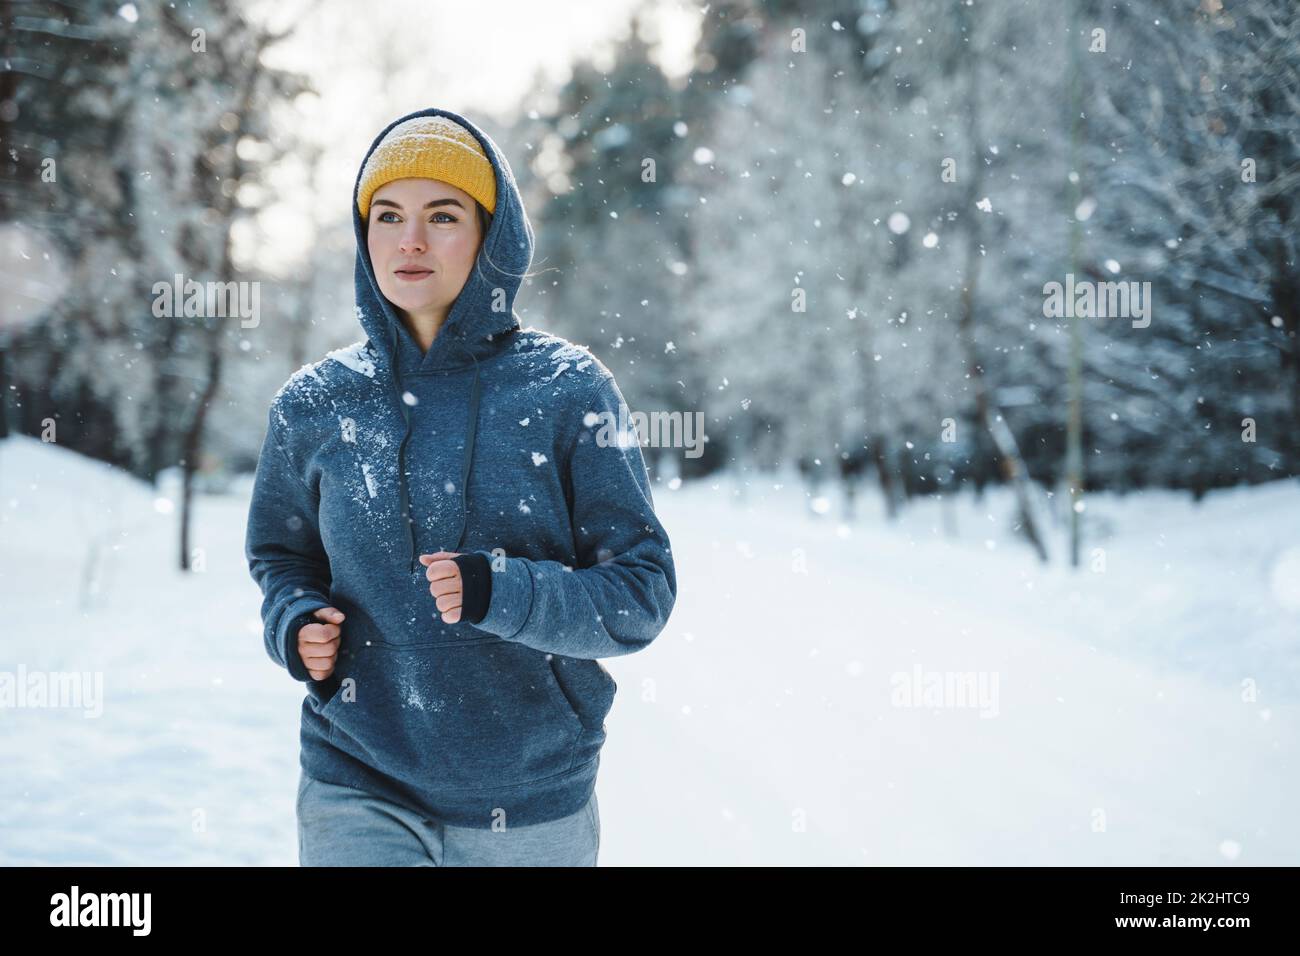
(401, 447)
(471, 432)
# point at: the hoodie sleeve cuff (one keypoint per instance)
(476, 585)
(295, 616)
(512, 596)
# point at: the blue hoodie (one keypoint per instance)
(498, 440)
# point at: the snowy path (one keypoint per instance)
(758, 728)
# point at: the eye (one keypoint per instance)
(449, 218)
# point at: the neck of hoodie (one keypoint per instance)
(470, 332)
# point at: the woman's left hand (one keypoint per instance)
(445, 583)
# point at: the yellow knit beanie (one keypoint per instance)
(432, 147)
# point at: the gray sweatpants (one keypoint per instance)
(340, 826)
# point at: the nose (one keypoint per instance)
(412, 242)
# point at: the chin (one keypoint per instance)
(410, 303)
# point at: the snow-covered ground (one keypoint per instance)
(1144, 711)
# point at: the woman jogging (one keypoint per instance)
(451, 521)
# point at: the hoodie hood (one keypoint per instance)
(503, 258)
(481, 317)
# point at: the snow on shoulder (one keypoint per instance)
(312, 384)
(306, 389)
(553, 355)
(358, 356)
(298, 379)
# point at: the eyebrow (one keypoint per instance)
(428, 205)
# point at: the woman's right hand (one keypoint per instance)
(318, 644)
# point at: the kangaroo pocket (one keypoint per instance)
(438, 716)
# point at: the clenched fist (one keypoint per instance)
(318, 644)
(445, 583)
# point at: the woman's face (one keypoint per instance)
(423, 236)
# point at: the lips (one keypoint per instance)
(413, 274)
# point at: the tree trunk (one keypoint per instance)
(886, 475)
(1009, 460)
